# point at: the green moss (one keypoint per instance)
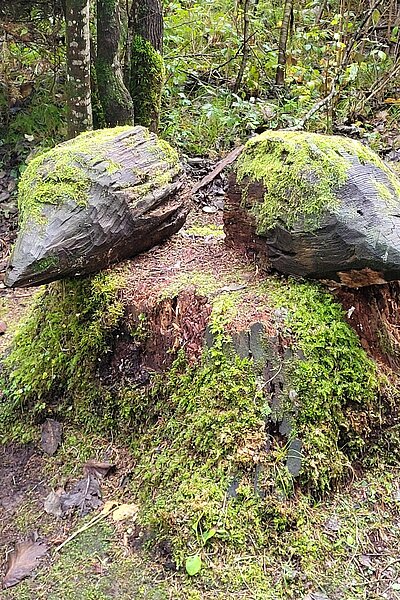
(211, 230)
(386, 194)
(301, 173)
(63, 173)
(45, 263)
(212, 429)
(54, 357)
(147, 79)
(335, 383)
(113, 167)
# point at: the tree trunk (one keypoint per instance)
(78, 66)
(147, 65)
(281, 68)
(114, 97)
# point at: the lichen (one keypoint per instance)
(301, 173)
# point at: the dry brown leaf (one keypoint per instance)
(99, 469)
(22, 560)
(125, 511)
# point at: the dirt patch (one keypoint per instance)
(22, 483)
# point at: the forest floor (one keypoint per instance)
(351, 540)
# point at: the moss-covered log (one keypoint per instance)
(231, 390)
(114, 97)
(323, 207)
(95, 200)
(146, 63)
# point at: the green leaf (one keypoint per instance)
(208, 534)
(193, 565)
(376, 15)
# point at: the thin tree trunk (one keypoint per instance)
(245, 53)
(114, 97)
(147, 65)
(283, 37)
(78, 66)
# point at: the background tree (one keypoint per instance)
(146, 75)
(283, 38)
(78, 66)
(115, 99)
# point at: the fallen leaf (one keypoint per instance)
(99, 469)
(365, 561)
(193, 565)
(3, 327)
(52, 503)
(51, 436)
(125, 511)
(22, 560)
(85, 495)
(108, 507)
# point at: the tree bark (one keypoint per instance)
(147, 65)
(283, 37)
(114, 97)
(78, 66)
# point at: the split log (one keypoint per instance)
(323, 207)
(93, 201)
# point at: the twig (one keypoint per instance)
(104, 513)
(220, 166)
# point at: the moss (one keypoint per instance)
(63, 173)
(55, 352)
(335, 383)
(113, 167)
(147, 79)
(385, 193)
(212, 430)
(210, 230)
(301, 173)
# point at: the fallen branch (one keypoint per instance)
(220, 166)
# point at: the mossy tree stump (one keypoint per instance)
(232, 390)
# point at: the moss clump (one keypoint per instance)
(146, 82)
(301, 173)
(210, 230)
(335, 384)
(56, 350)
